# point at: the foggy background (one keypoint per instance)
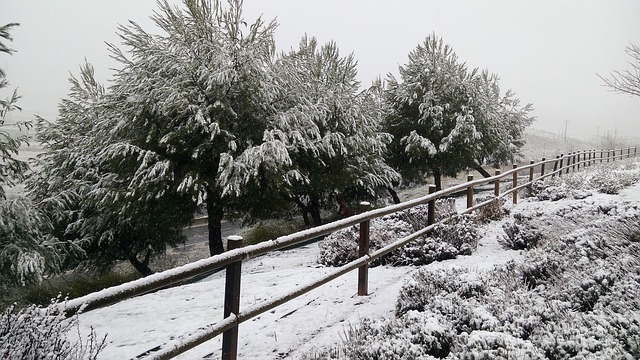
(548, 52)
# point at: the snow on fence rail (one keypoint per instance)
(232, 259)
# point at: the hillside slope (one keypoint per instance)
(319, 318)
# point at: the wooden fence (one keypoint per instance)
(521, 177)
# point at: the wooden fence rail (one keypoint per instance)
(232, 259)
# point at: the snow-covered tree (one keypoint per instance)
(11, 169)
(87, 195)
(445, 118)
(627, 81)
(190, 107)
(26, 251)
(332, 129)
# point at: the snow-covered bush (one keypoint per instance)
(520, 233)
(43, 333)
(574, 296)
(341, 246)
(445, 207)
(489, 345)
(458, 236)
(410, 336)
(491, 212)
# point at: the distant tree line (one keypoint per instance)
(206, 116)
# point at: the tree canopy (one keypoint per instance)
(446, 118)
(331, 129)
(191, 106)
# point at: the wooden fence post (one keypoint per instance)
(542, 167)
(579, 153)
(571, 160)
(515, 184)
(232, 301)
(589, 159)
(469, 192)
(561, 165)
(628, 153)
(431, 215)
(555, 165)
(635, 151)
(601, 155)
(496, 186)
(363, 249)
(531, 170)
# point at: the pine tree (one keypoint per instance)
(445, 118)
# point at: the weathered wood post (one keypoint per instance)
(601, 155)
(608, 155)
(628, 153)
(635, 151)
(496, 184)
(363, 249)
(542, 167)
(589, 159)
(431, 215)
(531, 170)
(578, 164)
(515, 185)
(555, 165)
(469, 192)
(232, 300)
(570, 158)
(561, 165)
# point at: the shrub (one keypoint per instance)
(41, 333)
(491, 212)
(411, 336)
(520, 234)
(458, 236)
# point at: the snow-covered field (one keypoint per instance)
(318, 319)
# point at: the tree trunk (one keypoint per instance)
(394, 195)
(141, 267)
(437, 179)
(482, 171)
(215, 213)
(304, 210)
(314, 210)
(315, 215)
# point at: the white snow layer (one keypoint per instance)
(316, 319)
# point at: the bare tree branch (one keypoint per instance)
(627, 81)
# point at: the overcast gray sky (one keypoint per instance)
(548, 52)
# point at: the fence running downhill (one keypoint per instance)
(232, 259)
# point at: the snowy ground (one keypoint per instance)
(315, 320)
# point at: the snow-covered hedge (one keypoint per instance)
(456, 237)
(493, 211)
(41, 333)
(574, 296)
(520, 233)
